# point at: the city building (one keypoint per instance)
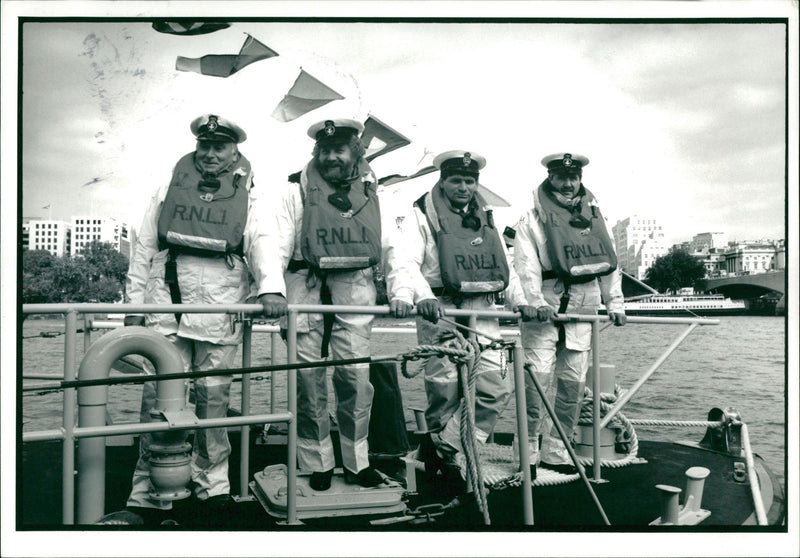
(713, 261)
(87, 229)
(639, 241)
(26, 233)
(780, 254)
(49, 234)
(706, 242)
(748, 258)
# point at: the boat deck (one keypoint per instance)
(629, 498)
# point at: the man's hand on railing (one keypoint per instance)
(430, 309)
(618, 318)
(545, 313)
(133, 320)
(399, 308)
(527, 312)
(274, 305)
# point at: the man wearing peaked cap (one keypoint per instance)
(564, 255)
(211, 127)
(187, 260)
(335, 129)
(565, 161)
(326, 237)
(459, 162)
(450, 255)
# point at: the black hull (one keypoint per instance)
(630, 498)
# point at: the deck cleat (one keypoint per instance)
(690, 513)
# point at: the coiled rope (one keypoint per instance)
(627, 434)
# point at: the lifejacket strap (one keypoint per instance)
(171, 279)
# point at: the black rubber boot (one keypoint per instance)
(563, 468)
(321, 480)
(367, 478)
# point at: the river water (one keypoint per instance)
(739, 363)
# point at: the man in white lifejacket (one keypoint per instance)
(190, 249)
(566, 261)
(448, 254)
(325, 237)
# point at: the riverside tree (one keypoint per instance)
(674, 271)
(98, 275)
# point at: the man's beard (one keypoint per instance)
(336, 172)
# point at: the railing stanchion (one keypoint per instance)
(522, 431)
(273, 346)
(68, 449)
(640, 382)
(244, 464)
(596, 401)
(291, 445)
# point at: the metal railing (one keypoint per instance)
(69, 432)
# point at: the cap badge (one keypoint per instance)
(330, 129)
(567, 160)
(212, 124)
(467, 160)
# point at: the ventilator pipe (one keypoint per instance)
(93, 400)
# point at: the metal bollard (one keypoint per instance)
(670, 509)
(695, 481)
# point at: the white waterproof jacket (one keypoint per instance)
(202, 280)
(531, 260)
(412, 264)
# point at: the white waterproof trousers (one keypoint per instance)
(350, 338)
(211, 447)
(444, 392)
(560, 367)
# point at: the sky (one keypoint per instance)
(682, 122)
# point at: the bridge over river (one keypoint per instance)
(748, 287)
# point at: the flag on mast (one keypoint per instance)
(306, 94)
(224, 65)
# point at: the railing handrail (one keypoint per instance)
(247, 308)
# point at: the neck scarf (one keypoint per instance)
(574, 205)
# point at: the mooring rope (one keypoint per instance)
(465, 353)
(688, 423)
(466, 369)
(627, 435)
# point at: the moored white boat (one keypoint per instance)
(683, 305)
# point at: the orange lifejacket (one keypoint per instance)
(576, 254)
(471, 262)
(333, 239)
(205, 222)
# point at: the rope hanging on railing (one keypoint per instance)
(465, 353)
(626, 436)
(466, 371)
(424, 352)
